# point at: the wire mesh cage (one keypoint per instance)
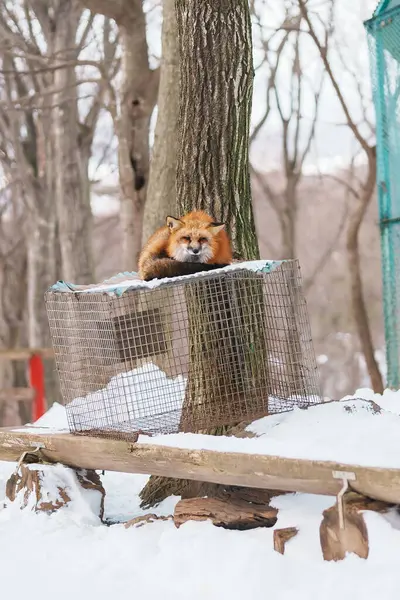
(384, 49)
(185, 354)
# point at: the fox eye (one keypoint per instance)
(202, 240)
(186, 238)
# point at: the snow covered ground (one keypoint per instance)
(72, 555)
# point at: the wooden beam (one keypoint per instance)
(230, 468)
(25, 353)
(17, 394)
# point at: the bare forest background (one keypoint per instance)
(88, 123)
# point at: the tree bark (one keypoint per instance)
(38, 191)
(216, 81)
(161, 193)
(72, 199)
(138, 98)
(216, 78)
(357, 294)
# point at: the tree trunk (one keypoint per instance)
(216, 78)
(216, 75)
(72, 201)
(289, 218)
(357, 294)
(138, 98)
(161, 193)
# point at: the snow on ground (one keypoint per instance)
(350, 431)
(71, 555)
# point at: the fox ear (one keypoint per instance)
(215, 228)
(173, 223)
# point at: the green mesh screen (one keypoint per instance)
(384, 46)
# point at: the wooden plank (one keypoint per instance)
(230, 468)
(25, 353)
(17, 394)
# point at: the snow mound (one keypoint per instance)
(54, 418)
(130, 400)
(389, 400)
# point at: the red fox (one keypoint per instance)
(185, 246)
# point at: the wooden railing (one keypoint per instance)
(35, 394)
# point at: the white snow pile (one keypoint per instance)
(128, 399)
(73, 555)
(54, 418)
(70, 554)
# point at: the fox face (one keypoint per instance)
(193, 240)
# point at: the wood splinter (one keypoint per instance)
(337, 541)
(143, 519)
(282, 536)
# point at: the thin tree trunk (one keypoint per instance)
(216, 77)
(73, 205)
(161, 193)
(138, 96)
(355, 220)
(357, 294)
(289, 218)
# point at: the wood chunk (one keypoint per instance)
(30, 482)
(90, 480)
(143, 519)
(17, 394)
(336, 542)
(282, 536)
(233, 514)
(44, 488)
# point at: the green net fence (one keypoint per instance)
(384, 47)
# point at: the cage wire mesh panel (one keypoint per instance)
(384, 48)
(188, 354)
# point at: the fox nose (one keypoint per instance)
(195, 250)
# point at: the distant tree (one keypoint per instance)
(161, 192)
(46, 135)
(131, 107)
(361, 192)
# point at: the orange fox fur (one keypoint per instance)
(185, 246)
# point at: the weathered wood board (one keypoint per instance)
(230, 468)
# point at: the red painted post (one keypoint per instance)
(36, 377)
